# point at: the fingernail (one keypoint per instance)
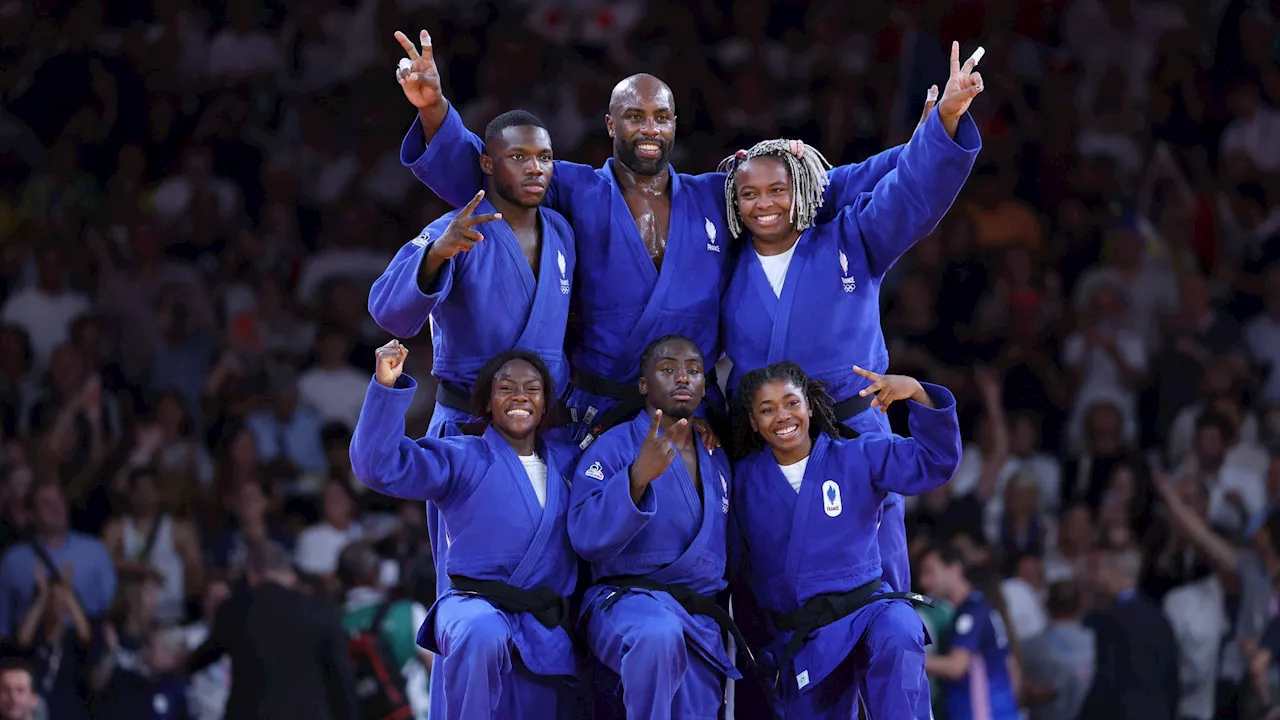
(497, 216)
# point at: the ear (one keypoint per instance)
(486, 165)
(754, 427)
(644, 386)
(608, 123)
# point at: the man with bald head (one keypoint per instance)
(652, 243)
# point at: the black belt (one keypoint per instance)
(822, 610)
(691, 601)
(544, 604)
(630, 401)
(846, 409)
(453, 397)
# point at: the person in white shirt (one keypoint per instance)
(1106, 362)
(332, 387)
(318, 546)
(45, 311)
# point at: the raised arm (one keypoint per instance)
(927, 459)
(909, 201)
(611, 500)
(420, 276)
(387, 461)
(847, 182)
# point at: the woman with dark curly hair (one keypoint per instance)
(806, 506)
(501, 623)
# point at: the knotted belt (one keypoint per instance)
(822, 610)
(690, 600)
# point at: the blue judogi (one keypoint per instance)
(823, 541)
(624, 301)
(481, 303)
(672, 663)
(493, 529)
(828, 316)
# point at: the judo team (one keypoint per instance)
(617, 530)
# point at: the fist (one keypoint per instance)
(390, 363)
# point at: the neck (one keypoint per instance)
(516, 216)
(145, 518)
(668, 422)
(524, 446)
(800, 452)
(768, 248)
(960, 592)
(631, 182)
(51, 538)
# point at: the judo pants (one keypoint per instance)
(885, 669)
(479, 678)
(643, 643)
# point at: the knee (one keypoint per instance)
(486, 638)
(897, 631)
(659, 641)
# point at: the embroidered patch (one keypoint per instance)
(711, 236)
(802, 679)
(724, 501)
(831, 498)
(595, 471)
(423, 238)
(564, 280)
(845, 278)
(964, 624)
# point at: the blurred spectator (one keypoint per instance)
(1144, 684)
(359, 569)
(19, 699)
(288, 650)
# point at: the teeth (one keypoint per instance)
(767, 218)
(517, 413)
(787, 432)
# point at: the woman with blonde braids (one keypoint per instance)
(811, 293)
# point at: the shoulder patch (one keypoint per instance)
(595, 471)
(423, 238)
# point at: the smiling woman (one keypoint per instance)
(775, 192)
(502, 497)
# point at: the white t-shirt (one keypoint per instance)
(536, 469)
(775, 268)
(794, 473)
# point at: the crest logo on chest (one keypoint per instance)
(595, 471)
(724, 499)
(564, 279)
(831, 504)
(845, 278)
(711, 236)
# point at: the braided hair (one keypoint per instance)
(483, 392)
(808, 181)
(747, 440)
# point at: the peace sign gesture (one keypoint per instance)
(417, 74)
(890, 388)
(461, 234)
(656, 454)
(963, 85)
